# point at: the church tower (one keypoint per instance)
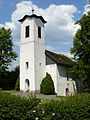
(32, 52)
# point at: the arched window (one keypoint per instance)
(27, 84)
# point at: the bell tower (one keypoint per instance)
(32, 52)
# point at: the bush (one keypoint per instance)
(15, 107)
(70, 108)
(47, 85)
(17, 86)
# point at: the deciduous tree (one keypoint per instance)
(81, 51)
(7, 54)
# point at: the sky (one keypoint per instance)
(60, 15)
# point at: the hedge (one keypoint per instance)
(15, 107)
(70, 108)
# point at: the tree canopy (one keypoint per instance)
(7, 54)
(81, 51)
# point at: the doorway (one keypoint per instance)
(67, 92)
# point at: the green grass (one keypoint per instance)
(10, 91)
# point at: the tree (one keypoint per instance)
(81, 51)
(17, 86)
(7, 54)
(47, 85)
(9, 78)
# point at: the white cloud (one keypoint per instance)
(1, 25)
(50, 48)
(60, 23)
(87, 9)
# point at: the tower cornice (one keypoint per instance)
(32, 16)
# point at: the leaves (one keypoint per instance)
(81, 50)
(7, 54)
(47, 85)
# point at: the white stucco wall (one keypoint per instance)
(32, 50)
(63, 83)
(52, 70)
(59, 76)
(39, 54)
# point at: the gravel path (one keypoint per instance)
(38, 96)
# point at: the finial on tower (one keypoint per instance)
(32, 10)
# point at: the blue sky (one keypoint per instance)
(8, 6)
(60, 15)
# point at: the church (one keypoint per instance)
(35, 61)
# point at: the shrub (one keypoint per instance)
(47, 85)
(17, 86)
(15, 107)
(71, 108)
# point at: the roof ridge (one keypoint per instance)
(58, 58)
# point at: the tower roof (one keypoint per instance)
(32, 16)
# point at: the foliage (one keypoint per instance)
(9, 78)
(70, 108)
(7, 54)
(17, 86)
(81, 51)
(47, 85)
(15, 107)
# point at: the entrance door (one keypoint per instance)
(27, 85)
(67, 92)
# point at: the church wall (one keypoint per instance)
(27, 55)
(63, 82)
(59, 76)
(32, 50)
(27, 73)
(39, 53)
(52, 70)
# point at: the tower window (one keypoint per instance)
(67, 77)
(27, 31)
(39, 32)
(27, 65)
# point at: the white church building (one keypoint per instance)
(35, 61)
